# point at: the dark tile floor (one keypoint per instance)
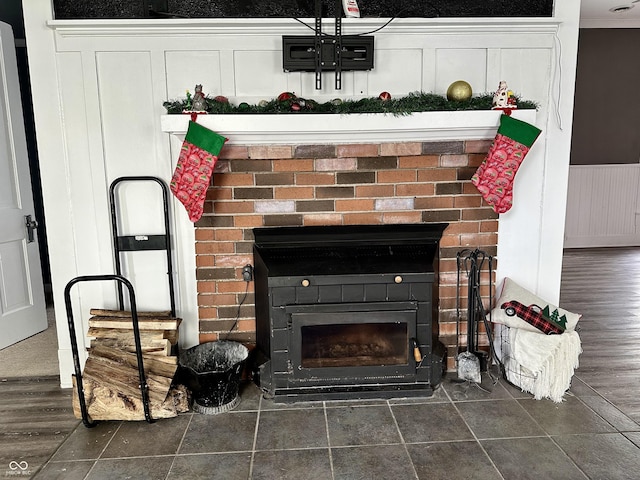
(460, 432)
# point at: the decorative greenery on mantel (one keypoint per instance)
(414, 102)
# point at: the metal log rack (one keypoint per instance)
(132, 243)
(124, 243)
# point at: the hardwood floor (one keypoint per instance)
(35, 418)
(603, 284)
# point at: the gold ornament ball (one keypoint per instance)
(459, 91)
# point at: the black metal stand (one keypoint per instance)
(144, 388)
(318, 44)
(131, 243)
(337, 40)
(125, 243)
(338, 45)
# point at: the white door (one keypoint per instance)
(22, 305)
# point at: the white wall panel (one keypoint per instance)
(527, 71)
(602, 206)
(328, 90)
(494, 70)
(185, 69)
(259, 73)
(126, 105)
(407, 66)
(83, 141)
(469, 65)
(429, 75)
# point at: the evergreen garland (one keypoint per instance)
(413, 102)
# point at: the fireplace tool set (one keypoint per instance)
(473, 361)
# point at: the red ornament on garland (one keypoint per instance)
(295, 107)
(284, 96)
(384, 96)
(221, 99)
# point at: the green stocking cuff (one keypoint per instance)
(204, 138)
(521, 132)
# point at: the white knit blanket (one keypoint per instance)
(542, 365)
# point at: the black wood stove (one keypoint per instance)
(347, 311)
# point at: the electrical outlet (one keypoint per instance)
(247, 273)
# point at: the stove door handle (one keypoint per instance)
(417, 355)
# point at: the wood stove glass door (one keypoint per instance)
(359, 338)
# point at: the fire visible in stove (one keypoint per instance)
(364, 344)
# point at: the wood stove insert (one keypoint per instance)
(347, 311)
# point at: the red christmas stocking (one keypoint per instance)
(198, 157)
(494, 178)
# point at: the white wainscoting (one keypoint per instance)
(602, 206)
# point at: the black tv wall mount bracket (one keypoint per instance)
(322, 52)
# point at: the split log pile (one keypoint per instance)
(111, 379)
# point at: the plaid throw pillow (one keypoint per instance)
(535, 316)
(512, 292)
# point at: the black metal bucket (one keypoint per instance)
(212, 371)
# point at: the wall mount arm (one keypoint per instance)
(320, 53)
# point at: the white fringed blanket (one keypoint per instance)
(542, 365)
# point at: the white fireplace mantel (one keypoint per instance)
(271, 129)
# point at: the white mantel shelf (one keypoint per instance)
(251, 26)
(281, 129)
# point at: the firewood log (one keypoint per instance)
(126, 335)
(106, 404)
(159, 348)
(124, 379)
(125, 314)
(152, 365)
(144, 323)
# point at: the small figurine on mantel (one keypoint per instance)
(198, 102)
(504, 99)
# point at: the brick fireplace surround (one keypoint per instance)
(345, 184)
